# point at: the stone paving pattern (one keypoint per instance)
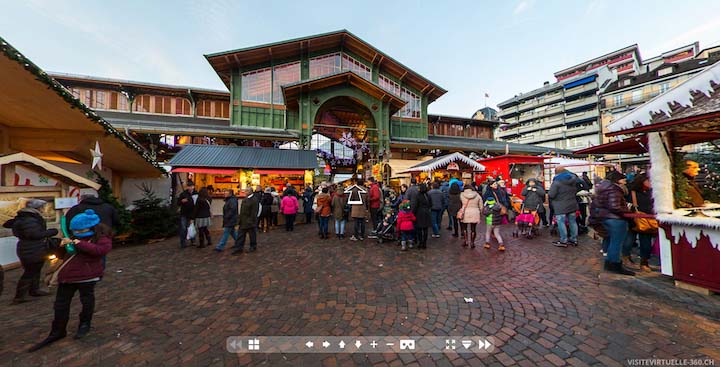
(161, 306)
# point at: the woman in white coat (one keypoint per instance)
(471, 212)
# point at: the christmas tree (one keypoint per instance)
(152, 216)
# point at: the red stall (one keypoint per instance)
(514, 169)
(689, 235)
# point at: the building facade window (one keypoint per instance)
(637, 96)
(664, 87)
(122, 102)
(412, 108)
(349, 63)
(325, 65)
(284, 74)
(214, 109)
(389, 85)
(618, 100)
(256, 86)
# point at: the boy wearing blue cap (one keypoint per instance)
(80, 271)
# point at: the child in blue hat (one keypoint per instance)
(81, 270)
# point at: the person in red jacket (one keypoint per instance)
(375, 198)
(406, 225)
(92, 240)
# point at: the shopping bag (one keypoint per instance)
(191, 231)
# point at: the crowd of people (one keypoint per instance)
(414, 214)
(411, 215)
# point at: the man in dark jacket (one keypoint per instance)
(32, 248)
(230, 219)
(412, 192)
(107, 213)
(249, 209)
(437, 201)
(608, 207)
(186, 201)
(563, 198)
(534, 195)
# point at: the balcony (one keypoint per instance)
(511, 120)
(576, 117)
(508, 111)
(581, 102)
(582, 130)
(585, 88)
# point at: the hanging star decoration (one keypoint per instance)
(96, 156)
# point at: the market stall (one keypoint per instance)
(26, 177)
(576, 166)
(455, 165)
(221, 167)
(514, 169)
(690, 226)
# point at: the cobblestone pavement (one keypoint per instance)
(159, 305)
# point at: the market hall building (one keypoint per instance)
(333, 93)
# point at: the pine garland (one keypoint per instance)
(13, 54)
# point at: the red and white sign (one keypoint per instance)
(453, 167)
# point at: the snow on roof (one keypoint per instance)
(681, 95)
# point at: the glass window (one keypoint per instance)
(637, 96)
(282, 75)
(324, 65)
(664, 87)
(256, 86)
(389, 85)
(412, 108)
(87, 100)
(99, 99)
(348, 63)
(122, 102)
(618, 100)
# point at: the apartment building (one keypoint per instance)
(561, 115)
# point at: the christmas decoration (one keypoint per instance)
(152, 217)
(105, 194)
(96, 157)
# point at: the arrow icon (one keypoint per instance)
(325, 344)
(484, 344)
(467, 343)
(358, 344)
(310, 344)
(341, 344)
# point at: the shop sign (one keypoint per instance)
(453, 167)
(467, 175)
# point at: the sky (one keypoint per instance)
(470, 48)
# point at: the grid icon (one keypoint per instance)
(253, 344)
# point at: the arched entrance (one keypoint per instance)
(345, 135)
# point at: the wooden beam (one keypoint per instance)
(403, 76)
(56, 134)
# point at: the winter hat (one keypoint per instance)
(615, 176)
(267, 190)
(82, 223)
(35, 203)
(405, 205)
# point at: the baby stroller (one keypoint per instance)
(526, 223)
(385, 231)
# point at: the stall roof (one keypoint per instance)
(226, 156)
(442, 161)
(41, 115)
(473, 144)
(639, 144)
(692, 105)
(49, 169)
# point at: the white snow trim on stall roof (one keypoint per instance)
(661, 176)
(693, 228)
(444, 161)
(662, 103)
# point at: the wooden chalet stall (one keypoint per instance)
(456, 165)
(25, 177)
(221, 167)
(52, 145)
(514, 169)
(686, 114)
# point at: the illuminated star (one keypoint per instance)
(96, 156)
